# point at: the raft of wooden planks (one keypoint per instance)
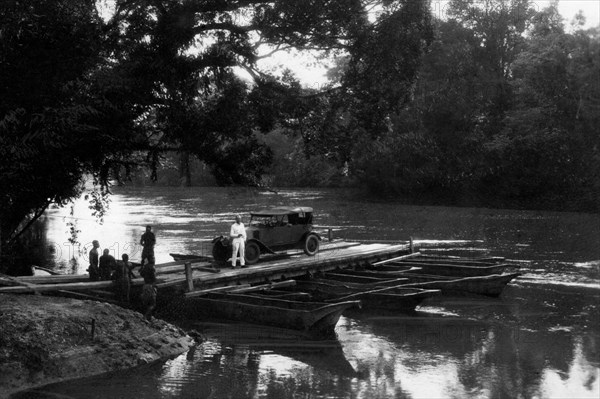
(193, 277)
(202, 275)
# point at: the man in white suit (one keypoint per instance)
(238, 236)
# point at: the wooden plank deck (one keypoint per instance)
(289, 267)
(171, 276)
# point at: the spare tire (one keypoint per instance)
(221, 251)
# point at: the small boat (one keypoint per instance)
(197, 258)
(311, 317)
(461, 259)
(364, 282)
(489, 285)
(396, 298)
(282, 294)
(443, 267)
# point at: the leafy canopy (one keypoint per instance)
(85, 93)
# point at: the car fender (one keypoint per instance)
(311, 233)
(225, 241)
(261, 245)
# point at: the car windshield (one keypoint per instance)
(269, 220)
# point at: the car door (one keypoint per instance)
(297, 229)
(283, 230)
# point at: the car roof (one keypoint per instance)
(282, 210)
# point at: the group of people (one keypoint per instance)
(105, 267)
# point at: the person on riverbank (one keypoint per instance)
(107, 265)
(122, 277)
(148, 297)
(93, 270)
(148, 241)
(238, 235)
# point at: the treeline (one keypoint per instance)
(496, 105)
(505, 113)
(129, 89)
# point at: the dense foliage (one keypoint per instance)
(100, 87)
(505, 113)
(495, 105)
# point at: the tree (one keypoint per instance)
(498, 27)
(503, 114)
(549, 145)
(376, 80)
(46, 140)
(91, 95)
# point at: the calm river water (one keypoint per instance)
(539, 340)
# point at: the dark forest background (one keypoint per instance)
(496, 105)
(504, 113)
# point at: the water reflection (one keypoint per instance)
(457, 357)
(424, 356)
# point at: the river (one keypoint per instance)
(540, 339)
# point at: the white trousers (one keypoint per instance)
(238, 246)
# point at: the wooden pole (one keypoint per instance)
(31, 287)
(278, 284)
(329, 234)
(56, 287)
(396, 259)
(212, 290)
(188, 276)
(411, 246)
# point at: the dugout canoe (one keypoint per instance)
(312, 317)
(283, 294)
(442, 268)
(365, 282)
(191, 257)
(396, 298)
(461, 259)
(489, 285)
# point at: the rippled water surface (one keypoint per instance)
(538, 340)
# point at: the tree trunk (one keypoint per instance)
(185, 175)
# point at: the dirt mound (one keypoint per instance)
(48, 339)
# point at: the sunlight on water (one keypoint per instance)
(581, 379)
(435, 310)
(417, 373)
(280, 365)
(594, 264)
(550, 279)
(445, 242)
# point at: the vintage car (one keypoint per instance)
(272, 230)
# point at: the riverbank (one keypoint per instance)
(49, 339)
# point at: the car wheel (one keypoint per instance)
(311, 245)
(251, 253)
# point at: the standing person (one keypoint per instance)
(238, 235)
(148, 296)
(93, 270)
(107, 265)
(122, 277)
(148, 240)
